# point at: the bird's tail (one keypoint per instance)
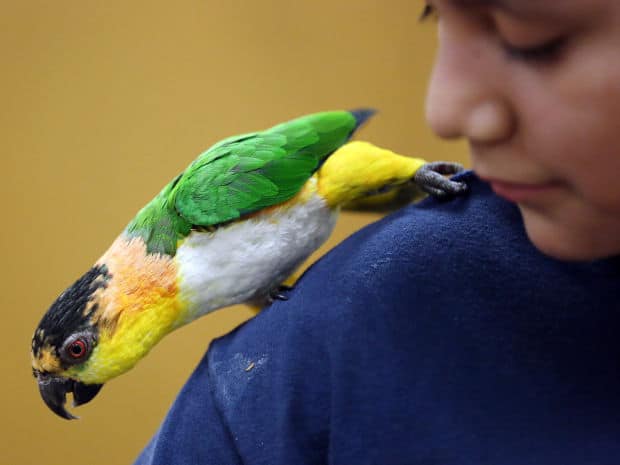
(361, 115)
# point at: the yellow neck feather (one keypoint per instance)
(134, 336)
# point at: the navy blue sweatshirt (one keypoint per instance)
(436, 336)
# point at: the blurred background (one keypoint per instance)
(103, 102)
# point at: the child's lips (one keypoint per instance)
(518, 192)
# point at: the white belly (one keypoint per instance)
(249, 258)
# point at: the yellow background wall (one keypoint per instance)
(102, 102)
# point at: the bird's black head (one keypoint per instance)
(66, 337)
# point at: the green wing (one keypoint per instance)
(241, 175)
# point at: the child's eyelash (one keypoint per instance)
(427, 12)
(547, 52)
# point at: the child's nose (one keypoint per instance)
(464, 98)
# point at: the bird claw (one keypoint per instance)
(278, 293)
(430, 178)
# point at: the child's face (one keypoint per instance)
(534, 86)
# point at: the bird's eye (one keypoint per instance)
(77, 349)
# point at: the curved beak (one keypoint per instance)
(54, 391)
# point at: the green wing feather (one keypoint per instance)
(241, 175)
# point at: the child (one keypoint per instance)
(534, 87)
(441, 335)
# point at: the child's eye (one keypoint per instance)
(547, 52)
(544, 53)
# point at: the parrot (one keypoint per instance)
(230, 229)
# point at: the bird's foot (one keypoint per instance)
(430, 177)
(279, 293)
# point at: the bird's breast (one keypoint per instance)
(248, 258)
